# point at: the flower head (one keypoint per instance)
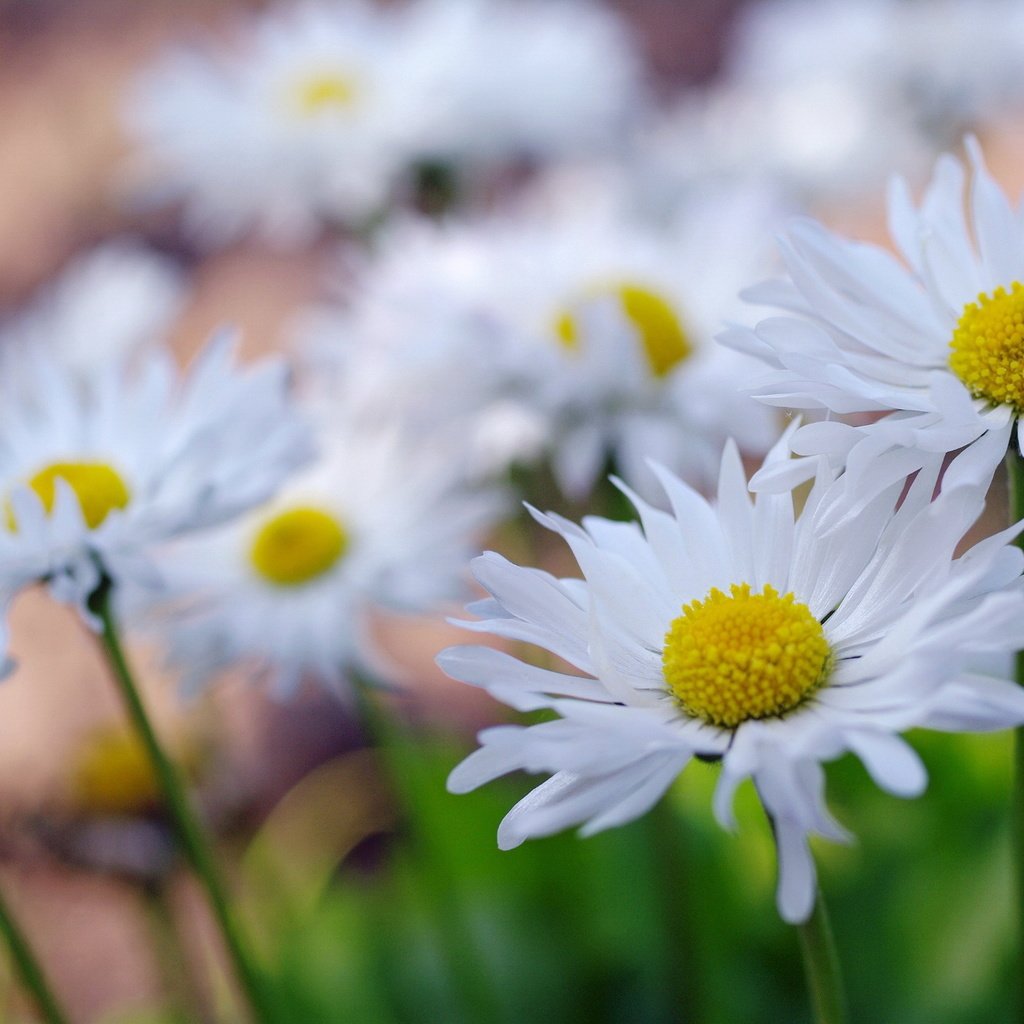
(932, 344)
(109, 303)
(594, 326)
(96, 470)
(308, 117)
(378, 522)
(744, 634)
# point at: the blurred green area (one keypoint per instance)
(669, 919)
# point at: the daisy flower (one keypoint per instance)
(931, 344)
(919, 57)
(743, 634)
(308, 116)
(107, 304)
(596, 327)
(289, 589)
(525, 78)
(95, 471)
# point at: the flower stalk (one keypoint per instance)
(191, 837)
(821, 966)
(1015, 489)
(29, 969)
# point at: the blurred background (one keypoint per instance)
(343, 854)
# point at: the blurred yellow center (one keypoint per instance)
(659, 331)
(730, 658)
(113, 775)
(99, 488)
(987, 350)
(325, 91)
(298, 545)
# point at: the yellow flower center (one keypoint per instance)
(114, 775)
(98, 486)
(297, 546)
(324, 91)
(987, 350)
(730, 658)
(659, 331)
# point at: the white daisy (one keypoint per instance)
(94, 471)
(596, 327)
(109, 303)
(378, 522)
(308, 117)
(525, 78)
(936, 339)
(743, 634)
(918, 58)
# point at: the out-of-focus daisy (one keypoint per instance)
(107, 304)
(594, 325)
(94, 471)
(743, 634)
(828, 95)
(308, 116)
(525, 78)
(933, 343)
(918, 57)
(378, 522)
(316, 113)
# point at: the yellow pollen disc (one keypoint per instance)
(99, 488)
(113, 775)
(987, 350)
(659, 331)
(297, 546)
(326, 91)
(730, 658)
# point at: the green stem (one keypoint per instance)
(431, 867)
(194, 844)
(28, 967)
(1015, 488)
(821, 966)
(672, 865)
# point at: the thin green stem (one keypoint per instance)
(672, 864)
(191, 838)
(28, 967)
(1015, 489)
(821, 966)
(433, 877)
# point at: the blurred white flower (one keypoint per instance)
(526, 78)
(944, 64)
(315, 114)
(308, 115)
(379, 522)
(829, 95)
(743, 634)
(94, 471)
(596, 328)
(110, 303)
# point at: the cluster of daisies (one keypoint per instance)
(586, 320)
(770, 635)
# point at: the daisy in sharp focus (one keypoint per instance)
(95, 470)
(289, 590)
(744, 634)
(932, 343)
